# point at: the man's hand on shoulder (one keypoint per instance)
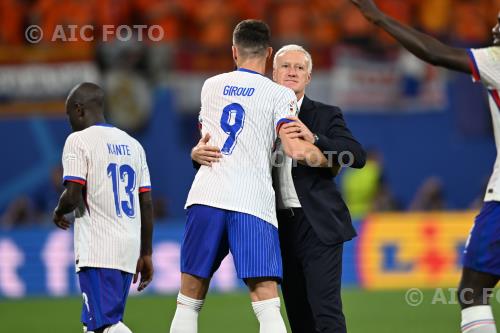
(204, 154)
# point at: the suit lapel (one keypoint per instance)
(306, 114)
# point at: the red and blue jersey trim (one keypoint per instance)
(473, 66)
(496, 97)
(74, 180)
(144, 189)
(282, 122)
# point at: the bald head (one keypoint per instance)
(87, 94)
(85, 105)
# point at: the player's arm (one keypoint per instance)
(68, 202)
(298, 148)
(421, 45)
(145, 262)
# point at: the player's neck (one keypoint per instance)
(95, 121)
(258, 66)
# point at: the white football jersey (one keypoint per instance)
(242, 111)
(112, 166)
(486, 68)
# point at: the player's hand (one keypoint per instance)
(204, 154)
(60, 221)
(368, 9)
(297, 129)
(145, 269)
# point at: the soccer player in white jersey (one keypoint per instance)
(231, 205)
(108, 188)
(481, 263)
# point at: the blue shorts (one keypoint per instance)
(482, 251)
(212, 232)
(104, 294)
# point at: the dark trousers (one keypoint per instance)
(311, 277)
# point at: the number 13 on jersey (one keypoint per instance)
(123, 174)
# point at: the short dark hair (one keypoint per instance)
(252, 38)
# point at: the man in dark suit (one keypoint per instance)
(313, 219)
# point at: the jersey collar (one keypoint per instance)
(241, 69)
(103, 124)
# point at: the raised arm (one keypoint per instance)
(421, 45)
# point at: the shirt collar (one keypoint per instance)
(299, 102)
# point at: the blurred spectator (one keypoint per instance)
(434, 15)
(113, 12)
(52, 14)
(170, 17)
(429, 197)
(12, 21)
(355, 28)
(469, 26)
(413, 72)
(384, 200)
(289, 22)
(197, 32)
(361, 187)
(20, 212)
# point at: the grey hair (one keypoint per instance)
(294, 47)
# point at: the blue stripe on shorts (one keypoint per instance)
(212, 232)
(105, 293)
(482, 252)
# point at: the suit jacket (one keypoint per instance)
(321, 202)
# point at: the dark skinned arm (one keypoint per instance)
(68, 202)
(145, 262)
(421, 45)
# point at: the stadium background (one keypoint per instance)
(428, 133)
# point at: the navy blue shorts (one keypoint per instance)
(104, 294)
(482, 251)
(212, 232)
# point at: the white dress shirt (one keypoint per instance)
(286, 195)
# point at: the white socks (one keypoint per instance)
(186, 316)
(478, 319)
(118, 328)
(269, 316)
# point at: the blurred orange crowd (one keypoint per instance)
(204, 25)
